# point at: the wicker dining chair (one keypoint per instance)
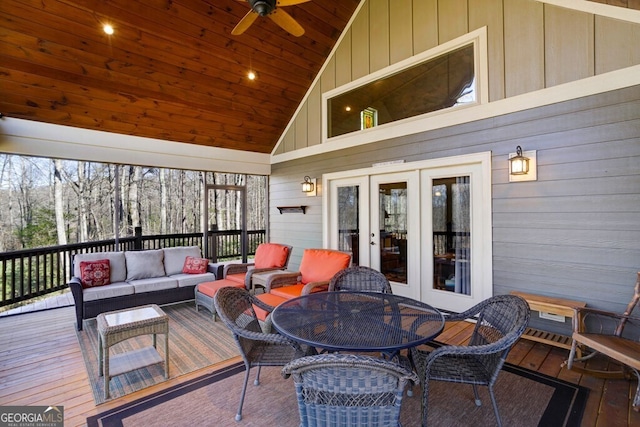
(235, 308)
(500, 321)
(348, 390)
(360, 278)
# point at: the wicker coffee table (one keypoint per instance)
(117, 326)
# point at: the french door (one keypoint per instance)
(425, 226)
(394, 229)
(375, 218)
(456, 247)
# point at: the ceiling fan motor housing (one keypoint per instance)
(263, 7)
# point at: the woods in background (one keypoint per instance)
(47, 202)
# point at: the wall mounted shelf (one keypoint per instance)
(291, 209)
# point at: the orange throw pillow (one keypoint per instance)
(321, 265)
(193, 265)
(271, 255)
(95, 273)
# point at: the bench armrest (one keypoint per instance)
(75, 284)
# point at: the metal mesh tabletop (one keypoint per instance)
(357, 321)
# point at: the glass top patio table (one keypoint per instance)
(357, 321)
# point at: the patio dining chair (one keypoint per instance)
(235, 308)
(360, 278)
(500, 321)
(348, 390)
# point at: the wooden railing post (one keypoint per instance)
(213, 243)
(137, 243)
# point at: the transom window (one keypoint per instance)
(440, 82)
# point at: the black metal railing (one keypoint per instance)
(29, 273)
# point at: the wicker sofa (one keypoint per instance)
(136, 278)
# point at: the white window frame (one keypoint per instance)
(412, 125)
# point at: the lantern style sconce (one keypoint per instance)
(309, 186)
(522, 165)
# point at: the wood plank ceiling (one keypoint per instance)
(171, 71)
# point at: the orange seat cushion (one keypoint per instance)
(271, 255)
(320, 265)
(238, 278)
(293, 291)
(270, 299)
(211, 288)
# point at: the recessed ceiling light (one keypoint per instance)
(347, 108)
(251, 75)
(107, 28)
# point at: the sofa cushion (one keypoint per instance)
(211, 288)
(294, 291)
(194, 265)
(192, 279)
(320, 265)
(144, 264)
(269, 299)
(95, 273)
(113, 290)
(174, 258)
(117, 264)
(153, 284)
(271, 255)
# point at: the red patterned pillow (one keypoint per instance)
(193, 265)
(95, 273)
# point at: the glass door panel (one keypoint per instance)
(349, 221)
(348, 205)
(451, 228)
(394, 231)
(392, 254)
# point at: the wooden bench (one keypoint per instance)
(558, 306)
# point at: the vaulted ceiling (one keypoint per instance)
(171, 70)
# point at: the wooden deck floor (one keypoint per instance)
(41, 364)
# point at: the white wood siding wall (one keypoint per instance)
(574, 233)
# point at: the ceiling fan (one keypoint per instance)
(270, 8)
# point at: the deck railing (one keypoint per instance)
(29, 273)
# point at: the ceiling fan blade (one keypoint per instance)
(290, 2)
(244, 23)
(286, 21)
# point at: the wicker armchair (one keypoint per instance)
(501, 320)
(269, 257)
(348, 390)
(360, 278)
(235, 308)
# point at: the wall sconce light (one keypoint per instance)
(523, 165)
(518, 164)
(309, 186)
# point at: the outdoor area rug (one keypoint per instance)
(195, 342)
(525, 398)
